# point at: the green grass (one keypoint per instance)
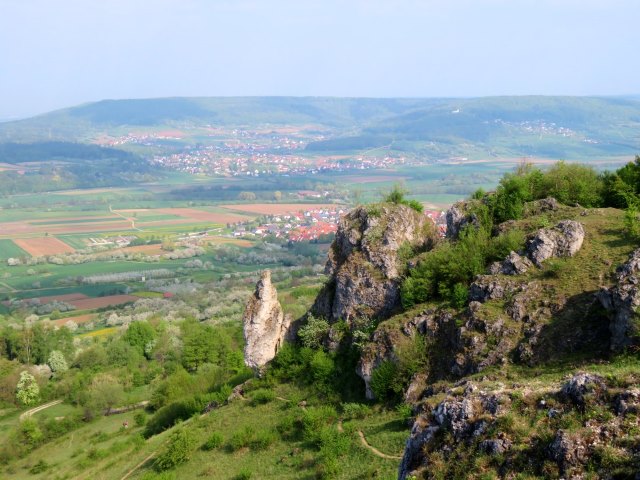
(8, 249)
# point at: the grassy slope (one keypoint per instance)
(101, 450)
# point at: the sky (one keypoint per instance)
(60, 53)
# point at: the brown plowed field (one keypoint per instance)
(38, 247)
(67, 297)
(278, 208)
(100, 302)
(146, 249)
(80, 319)
(201, 215)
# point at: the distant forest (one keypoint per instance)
(50, 166)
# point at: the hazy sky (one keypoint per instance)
(58, 53)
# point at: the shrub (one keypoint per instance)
(313, 333)
(314, 418)
(459, 295)
(41, 466)
(214, 441)
(140, 418)
(245, 474)
(572, 183)
(262, 439)
(241, 438)
(168, 416)
(262, 396)
(178, 450)
(384, 380)
(355, 410)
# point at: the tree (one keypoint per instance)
(57, 362)
(27, 390)
(139, 334)
(277, 195)
(178, 450)
(249, 196)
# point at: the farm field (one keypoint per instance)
(202, 215)
(37, 247)
(101, 302)
(78, 319)
(8, 249)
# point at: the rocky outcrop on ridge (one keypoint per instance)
(264, 324)
(364, 262)
(458, 217)
(482, 417)
(563, 240)
(623, 301)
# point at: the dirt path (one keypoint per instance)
(374, 450)
(134, 469)
(28, 413)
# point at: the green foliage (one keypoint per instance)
(214, 441)
(262, 396)
(352, 411)
(397, 196)
(632, 221)
(57, 362)
(249, 437)
(139, 334)
(27, 390)
(514, 190)
(459, 295)
(313, 333)
(571, 183)
(177, 452)
(447, 270)
(384, 382)
(39, 467)
(315, 418)
(140, 419)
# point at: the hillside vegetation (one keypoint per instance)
(508, 349)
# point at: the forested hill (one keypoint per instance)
(529, 125)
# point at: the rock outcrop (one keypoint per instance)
(563, 240)
(364, 262)
(623, 301)
(458, 217)
(264, 324)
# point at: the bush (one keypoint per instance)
(214, 441)
(140, 418)
(178, 450)
(245, 474)
(41, 466)
(314, 418)
(168, 416)
(262, 439)
(355, 410)
(241, 439)
(262, 396)
(384, 382)
(313, 333)
(571, 184)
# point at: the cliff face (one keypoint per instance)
(366, 259)
(264, 324)
(623, 301)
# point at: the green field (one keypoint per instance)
(8, 249)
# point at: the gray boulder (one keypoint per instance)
(563, 240)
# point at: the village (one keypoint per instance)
(311, 225)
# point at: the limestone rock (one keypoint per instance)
(457, 217)
(623, 301)
(264, 324)
(563, 240)
(568, 450)
(363, 261)
(583, 386)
